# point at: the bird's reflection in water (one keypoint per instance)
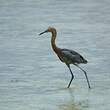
(74, 105)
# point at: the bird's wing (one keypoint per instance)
(73, 56)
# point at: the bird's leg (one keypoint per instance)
(71, 75)
(85, 75)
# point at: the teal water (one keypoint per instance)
(31, 76)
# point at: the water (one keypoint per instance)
(31, 76)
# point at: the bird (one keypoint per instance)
(67, 56)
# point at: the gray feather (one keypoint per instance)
(72, 57)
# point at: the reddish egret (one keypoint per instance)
(67, 56)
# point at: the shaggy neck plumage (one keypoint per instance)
(54, 33)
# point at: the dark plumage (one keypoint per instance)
(72, 57)
(67, 56)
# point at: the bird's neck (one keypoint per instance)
(55, 48)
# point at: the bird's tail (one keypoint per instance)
(85, 61)
(82, 60)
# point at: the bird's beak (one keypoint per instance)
(43, 32)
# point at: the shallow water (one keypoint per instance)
(31, 76)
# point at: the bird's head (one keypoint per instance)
(50, 29)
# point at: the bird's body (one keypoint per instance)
(67, 56)
(71, 57)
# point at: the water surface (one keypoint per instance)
(31, 76)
